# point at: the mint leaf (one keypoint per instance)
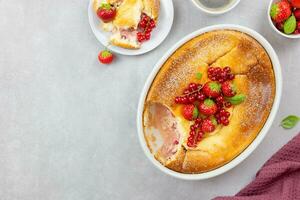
(198, 76)
(290, 25)
(290, 121)
(195, 113)
(237, 99)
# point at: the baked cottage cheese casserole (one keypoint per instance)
(209, 101)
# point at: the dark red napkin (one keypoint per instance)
(279, 178)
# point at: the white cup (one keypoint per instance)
(217, 11)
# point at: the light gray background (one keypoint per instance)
(67, 123)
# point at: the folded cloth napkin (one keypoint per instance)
(279, 178)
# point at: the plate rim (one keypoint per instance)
(131, 52)
(261, 135)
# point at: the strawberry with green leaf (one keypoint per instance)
(228, 89)
(208, 107)
(209, 125)
(190, 112)
(105, 57)
(106, 12)
(212, 89)
(280, 11)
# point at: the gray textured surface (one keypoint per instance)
(67, 124)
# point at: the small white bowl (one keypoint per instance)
(209, 11)
(260, 136)
(273, 25)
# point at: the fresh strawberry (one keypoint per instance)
(279, 26)
(228, 89)
(298, 25)
(105, 57)
(106, 12)
(208, 107)
(190, 112)
(296, 32)
(295, 3)
(209, 125)
(280, 11)
(297, 14)
(212, 89)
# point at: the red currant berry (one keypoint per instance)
(227, 114)
(230, 76)
(191, 138)
(192, 127)
(184, 100)
(142, 24)
(227, 69)
(186, 91)
(198, 120)
(147, 36)
(223, 118)
(193, 86)
(220, 99)
(200, 135)
(148, 30)
(218, 70)
(222, 112)
(190, 144)
(192, 98)
(152, 24)
(201, 97)
(210, 70)
(227, 104)
(226, 122)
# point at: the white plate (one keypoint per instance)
(163, 28)
(278, 79)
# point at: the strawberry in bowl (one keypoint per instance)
(285, 17)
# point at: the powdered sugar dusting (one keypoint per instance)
(259, 87)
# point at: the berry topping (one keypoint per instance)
(220, 75)
(297, 13)
(280, 11)
(190, 112)
(208, 107)
(146, 25)
(209, 125)
(295, 3)
(105, 57)
(212, 89)
(191, 94)
(106, 12)
(228, 89)
(279, 26)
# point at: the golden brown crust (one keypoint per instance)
(254, 77)
(151, 8)
(124, 44)
(128, 14)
